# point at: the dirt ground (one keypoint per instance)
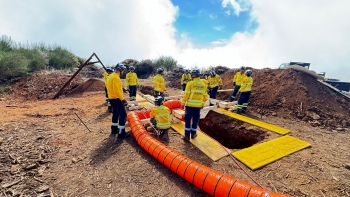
(46, 150)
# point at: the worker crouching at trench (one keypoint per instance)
(160, 119)
(193, 101)
(132, 82)
(245, 90)
(116, 98)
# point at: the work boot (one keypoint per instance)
(123, 134)
(194, 136)
(238, 111)
(114, 131)
(186, 138)
(164, 136)
(232, 98)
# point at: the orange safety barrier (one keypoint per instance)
(172, 104)
(143, 114)
(211, 181)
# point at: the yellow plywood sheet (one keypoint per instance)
(262, 154)
(252, 121)
(207, 145)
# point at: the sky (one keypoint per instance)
(197, 33)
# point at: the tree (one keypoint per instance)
(166, 62)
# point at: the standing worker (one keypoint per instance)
(245, 90)
(158, 82)
(215, 83)
(237, 82)
(132, 82)
(186, 77)
(160, 118)
(115, 96)
(107, 72)
(193, 100)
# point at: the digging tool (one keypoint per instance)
(82, 121)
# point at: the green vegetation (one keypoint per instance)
(167, 62)
(18, 60)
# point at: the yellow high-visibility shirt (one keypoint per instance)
(162, 116)
(105, 76)
(238, 78)
(205, 81)
(158, 82)
(214, 81)
(186, 78)
(247, 84)
(114, 87)
(195, 93)
(131, 79)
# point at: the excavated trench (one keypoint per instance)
(231, 133)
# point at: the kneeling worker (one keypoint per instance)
(160, 118)
(116, 97)
(193, 100)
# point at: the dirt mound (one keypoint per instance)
(89, 86)
(148, 90)
(290, 93)
(41, 86)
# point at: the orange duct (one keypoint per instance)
(172, 104)
(211, 181)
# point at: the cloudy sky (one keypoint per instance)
(255, 33)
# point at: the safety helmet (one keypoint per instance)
(120, 67)
(187, 71)
(242, 67)
(212, 73)
(109, 69)
(131, 68)
(248, 73)
(160, 70)
(159, 100)
(196, 72)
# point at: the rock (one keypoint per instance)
(315, 123)
(31, 166)
(347, 166)
(313, 116)
(340, 129)
(305, 118)
(74, 160)
(274, 114)
(42, 188)
(14, 169)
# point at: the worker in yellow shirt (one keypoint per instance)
(237, 82)
(215, 83)
(116, 97)
(160, 118)
(159, 84)
(107, 72)
(245, 90)
(132, 82)
(193, 101)
(186, 77)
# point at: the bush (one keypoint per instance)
(166, 62)
(144, 69)
(13, 64)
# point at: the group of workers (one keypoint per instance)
(196, 90)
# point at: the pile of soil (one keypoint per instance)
(289, 93)
(148, 90)
(230, 132)
(41, 86)
(90, 85)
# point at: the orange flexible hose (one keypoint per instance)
(211, 181)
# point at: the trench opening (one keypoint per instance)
(231, 133)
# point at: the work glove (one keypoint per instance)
(220, 87)
(137, 85)
(234, 84)
(127, 88)
(125, 103)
